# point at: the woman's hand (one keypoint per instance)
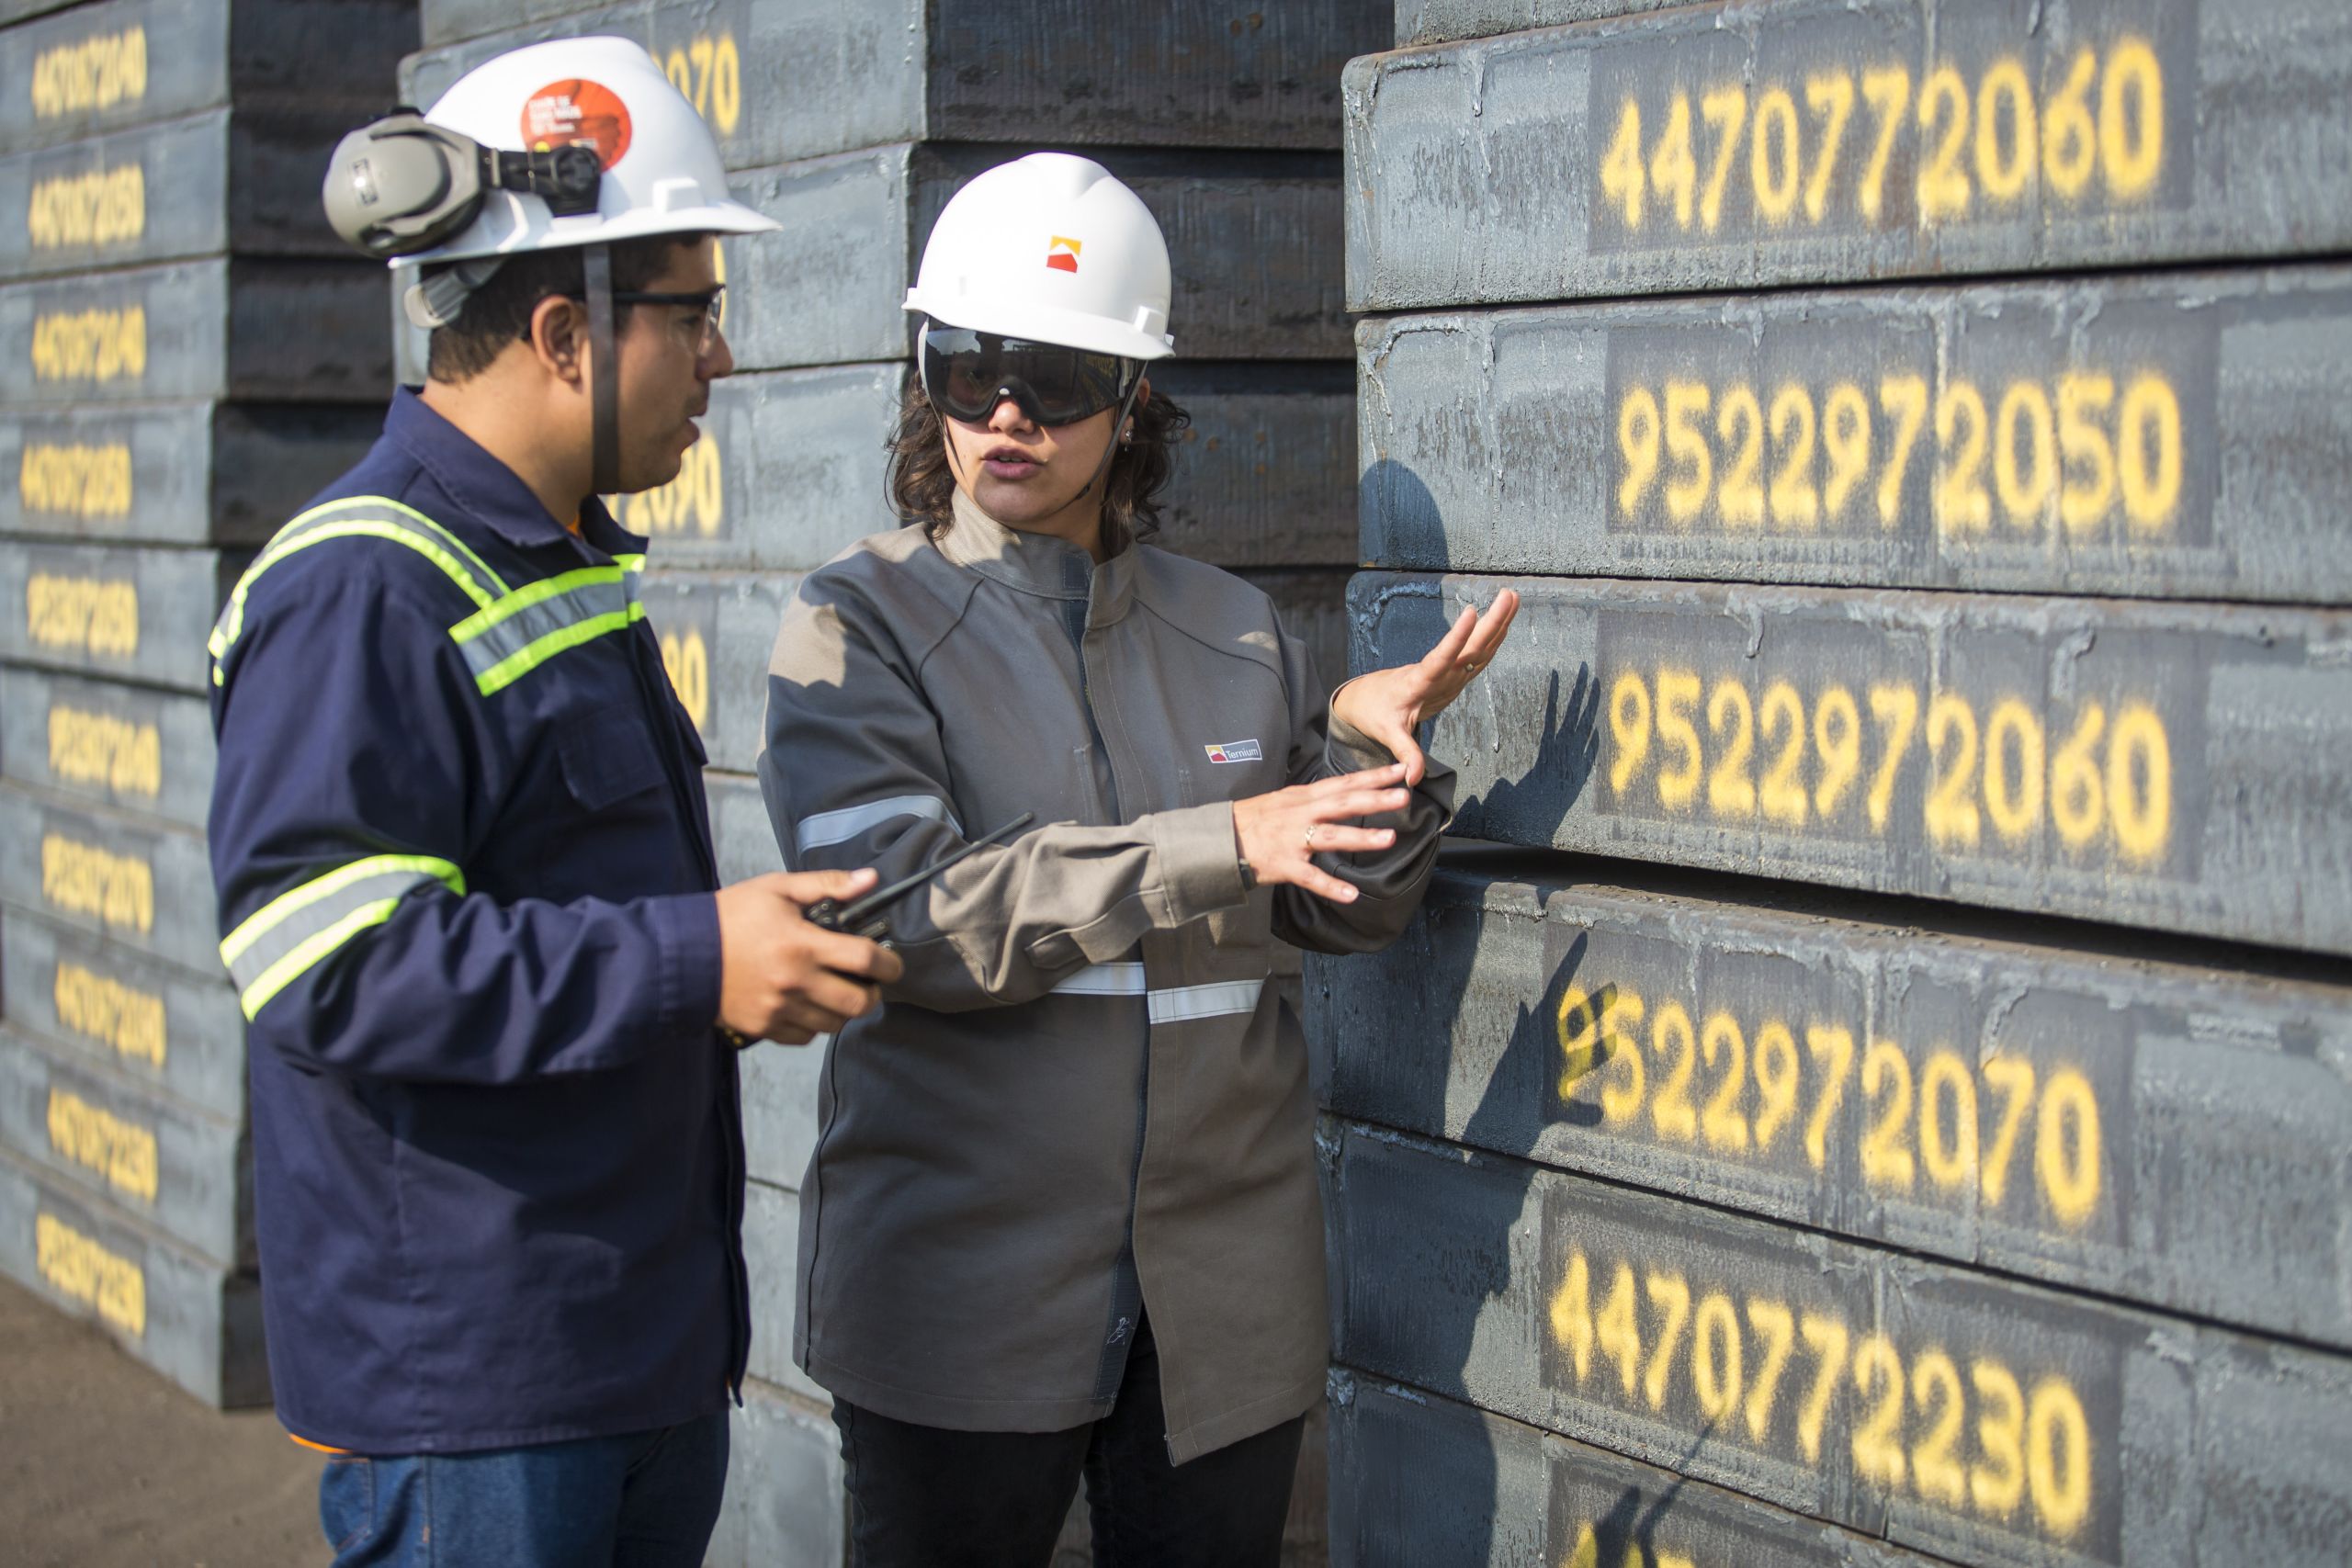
(1281, 834)
(1389, 706)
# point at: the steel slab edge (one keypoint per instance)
(1812, 142)
(129, 879)
(2158, 1132)
(1973, 1416)
(1417, 1479)
(129, 747)
(2185, 767)
(2177, 435)
(1451, 21)
(111, 611)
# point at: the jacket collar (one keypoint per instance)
(1039, 564)
(489, 493)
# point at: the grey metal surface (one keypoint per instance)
(1418, 1480)
(198, 1326)
(119, 1007)
(2173, 435)
(791, 469)
(780, 1111)
(100, 67)
(783, 1507)
(784, 79)
(771, 1256)
(2175, 766)
(1445, 21)
(716, 632)
(1949, 1411)
(184, 473)
(297, 330)
(2163, 1134)
(1253, 241)
(132, 746)
(740, 829)
(117, 1142)
(145, 886)
(241, 181)
(1481, 172)
(139, 614)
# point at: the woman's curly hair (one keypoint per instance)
(921, 485)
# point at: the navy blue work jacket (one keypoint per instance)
(464, 874)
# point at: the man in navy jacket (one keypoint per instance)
(469, 898)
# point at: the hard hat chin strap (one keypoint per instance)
(603, 373)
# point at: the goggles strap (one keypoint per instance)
(603, 371)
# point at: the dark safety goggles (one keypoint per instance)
(965, 374)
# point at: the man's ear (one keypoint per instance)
(559, 338)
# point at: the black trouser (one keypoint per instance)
(927, 1497)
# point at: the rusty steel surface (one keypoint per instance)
(103, 741)
(122, 1009)
(290, 331)
(177, 473)
(101, 67)
(2175, 766)
(132, 880)
(1948, 1411)
(138, 615)
(1733, 146)
(1435, 1481)
(784, 79)
(2161, 1132)
(1253, 241)
(117, 1141)
(2179, 436)
(195, 1323)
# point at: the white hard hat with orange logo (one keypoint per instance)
(1050, 248)
(490, 170)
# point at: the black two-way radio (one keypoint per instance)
(859, 916)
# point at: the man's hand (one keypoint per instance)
(784, 979)
(1388, 706)
(1281, 834)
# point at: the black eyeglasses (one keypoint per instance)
(711, 302)
(967, 374)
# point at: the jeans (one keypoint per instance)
(928, 1497)
(638, 1500)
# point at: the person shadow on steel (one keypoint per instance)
(1422, 1047)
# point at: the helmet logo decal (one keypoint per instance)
(1061, 253)
(577, 113)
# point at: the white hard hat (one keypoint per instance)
(1051, 248)
(663, 173)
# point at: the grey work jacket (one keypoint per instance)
(1084, 1097)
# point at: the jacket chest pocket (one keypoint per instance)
(605, 762)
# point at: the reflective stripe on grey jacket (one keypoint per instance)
(1084, 1092)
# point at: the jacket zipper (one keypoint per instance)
(1126, 1281)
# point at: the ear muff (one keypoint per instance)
(405, 185)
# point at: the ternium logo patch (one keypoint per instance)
(1235, 751)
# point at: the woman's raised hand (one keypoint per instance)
(1388, 706)
(1281, 834)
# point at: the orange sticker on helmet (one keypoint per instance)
(577, 113)
(1061, 253)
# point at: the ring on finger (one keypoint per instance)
(1310, 836)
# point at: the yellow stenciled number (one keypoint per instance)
(1781, 794)
(1943, 188)
(2138, 784)
(1838, 738)
(1721, 1123)
(1673, 169)
(1878, 1437)
(1905, 399)
(1832, 1051)
(2069, 135)
(1731, 720)
(2132, 120)
(1947, 1124)
(1952, 816)
(1774, 161)
(1572, 1314)
(1935, 1471)
(1846, 436)
(1961, 503)
(1637, 445)
(1825, 1337)
(1741, 425)
(2014, 750)
(1888, 92)
(1996, 1482)
(1830, 97)
(1896, 709)
(2004, 96)
(2025, 454)
(1715, 1354)
(1886, 1154)
(1686, 446)
(1629, 725)
(2148, 453)
(1775, 1082)
(1725, 110)
(1795, 501)
(2066, 1146)
(1675, 1044)
(2058, 1457)
(1617, 1331)
(1669, 1296)
(1678, 693)
(1776, 1326)
(2012, 1079)
(688, 658)
(2087, 489)
(1621, 1099)
(1621, 166)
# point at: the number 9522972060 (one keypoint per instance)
(1833, 762)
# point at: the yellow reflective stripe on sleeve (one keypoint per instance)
(504, 641)
(295, 931)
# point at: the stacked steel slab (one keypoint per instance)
(184, 355)
(852, 125)
(1917, 432)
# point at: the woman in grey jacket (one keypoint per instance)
(1062, 1212)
